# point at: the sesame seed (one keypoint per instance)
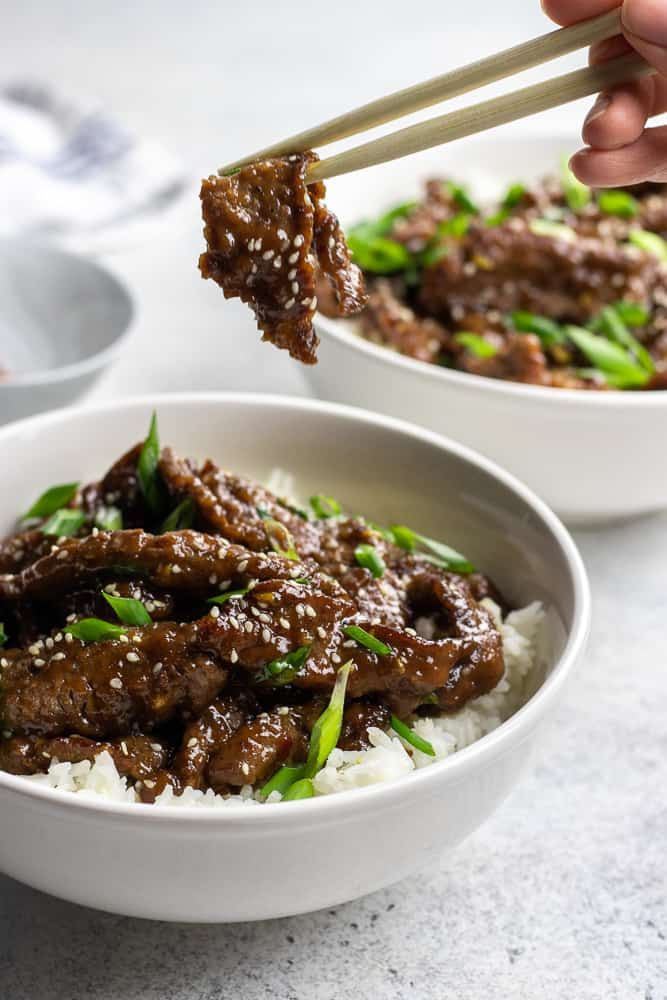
(284, 622)
(242, 566)
(62, 555)
(175, 569)
(157, 668)
(258, 243)
(298, 240)
(48, 643)
(59, 635)
(222, 552)
(39, 663)
(281, 234)
(116, 683)
(310, 611)
(268, 254)
(249, 626)
(300, 610)
(332, 243)
(278, 262)
(322, 632)
(233, 621)
(251, 244)
(283, 710)
(123, 747)
(264, 618)
(156, 747)
(291, 274)
(266, 635)
(132, 657)
(295, 287)
(289, 303)
(69, 637)
(306, 301)
(293, 257)
(335, 657)
(234, 656)
(123, 637)
(57, 656)
(34, 649)
(245, 767)
(215, 611)
(192, 742)
(254, 268)
(313, 304)
(148, 783)
(255, 611)
(4, 662)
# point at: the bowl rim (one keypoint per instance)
(340, 330)
(450, 770)
(92, 362)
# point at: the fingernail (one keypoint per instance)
(598, 109)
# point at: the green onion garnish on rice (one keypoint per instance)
(436, 552)
(109, 519)
(94, 630)
(227, 596)
(365, 638)
(301, 789)
(283, 779)
(618, 203)
(407, 734)
(477, 345)
(147, 469)
(324, 506)
(52, 500)
(129, 610)
(64, 523)
(326, 731)
(369, 558)
(181, 517)
(649, 243)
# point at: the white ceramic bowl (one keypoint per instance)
(245, 863)
(63, 319)
(591, 456)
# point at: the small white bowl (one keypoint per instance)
(591, 456)
(255, 862)
(63, 319)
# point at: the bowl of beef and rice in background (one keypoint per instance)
(201, 854)
(558, 404)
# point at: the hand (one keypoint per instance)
(621, 149)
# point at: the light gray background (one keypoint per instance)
(561, 895)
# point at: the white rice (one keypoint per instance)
(524, 639)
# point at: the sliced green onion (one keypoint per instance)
(325, 506)
(283, 779)
(147, 469)
(293, 509)
(3, 634)
(477, 345)
(549, 332)
(326, 731)
(285, 668)
(302, 789)
(64, 523)
(280, 539)
(365, 638)
(130, 611)
(649, 243)
(462, 198)
(180, 518)
(407, 734)
(377, 254)
(438, 553)
(457, 226)
(611, 324)
(512, 198)
(618, 203)
(386, 222)
(227, 596)
(615, 362)
(545, 227)
(577, 195)
(52, 500)
(430, 256)
(94, 630)
(109, 519)
(369, 558)
(632, 313)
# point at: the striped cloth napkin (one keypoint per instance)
(71, 173)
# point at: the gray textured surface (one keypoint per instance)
(561, 896)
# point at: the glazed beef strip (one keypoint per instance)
(135, 757)
(269, 236)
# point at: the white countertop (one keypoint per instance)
(562, 895)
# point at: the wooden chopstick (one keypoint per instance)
(459, 81)
(486, 115)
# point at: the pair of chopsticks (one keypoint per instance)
(473, 119)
